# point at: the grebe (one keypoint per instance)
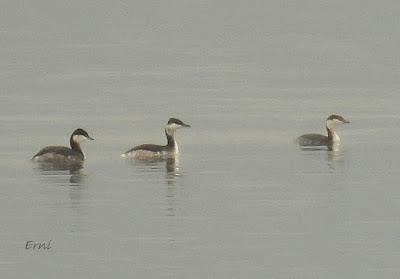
(159, 152)
(331, 140)
(63, 154)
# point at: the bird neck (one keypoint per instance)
(332, 135)
(171, 142)
(74, 145)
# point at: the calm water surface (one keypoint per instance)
(242, 201)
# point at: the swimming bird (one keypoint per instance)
(158, 152)
(331, 140)
(63, 154)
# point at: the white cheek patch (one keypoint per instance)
(79, 138)
(174, 126)
(338, 121)
(331, 123)
(171, 128)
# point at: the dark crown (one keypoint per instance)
(175, 121)
(335, 116)
(81, 132)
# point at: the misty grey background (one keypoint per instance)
(249, 76)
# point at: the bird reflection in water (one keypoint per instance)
(59, 172)
(329, 147)
(334, 154)
(171, 166)
(172, 170)
(335, 158)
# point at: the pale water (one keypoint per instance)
(243, 201)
